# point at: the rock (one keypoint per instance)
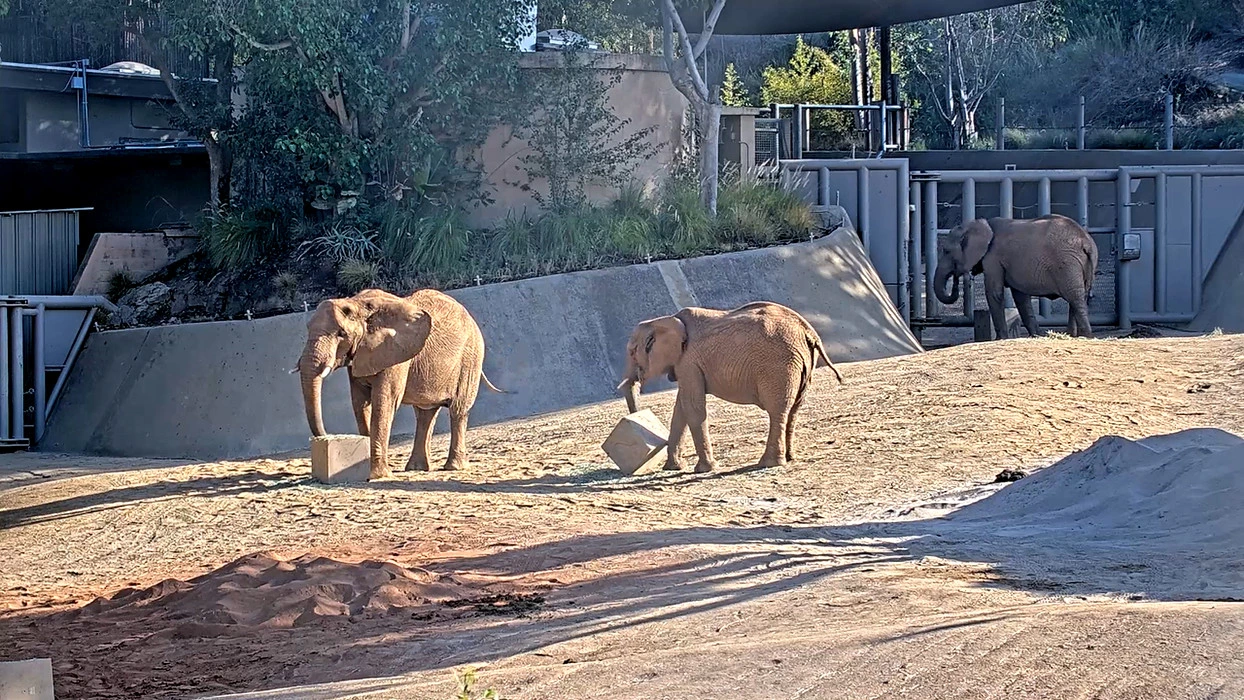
(144, 305)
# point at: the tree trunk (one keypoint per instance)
(709, 119)
(220, 169)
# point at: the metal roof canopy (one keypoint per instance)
(754, 17)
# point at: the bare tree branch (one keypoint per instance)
(710, 24)
(688, 53)
(262, 46)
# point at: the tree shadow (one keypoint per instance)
(250, 482)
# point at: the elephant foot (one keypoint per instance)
(375, 474)
(768, 461)
(455, 463)
(704, 466)
(418, 466)
(672, 466)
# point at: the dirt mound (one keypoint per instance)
(1186, 486)
(263, 591)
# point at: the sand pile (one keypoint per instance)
(1187, 486)
(263, 591)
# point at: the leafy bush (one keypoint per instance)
(340, 242)
(237, 239)
(119, 284)
(353, 276)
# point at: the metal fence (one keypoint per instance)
(1158, 229)
(40, 337)
(38, 251)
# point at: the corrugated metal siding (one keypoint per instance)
(38, 251)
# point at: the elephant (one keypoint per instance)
(761, 354)
(424, 350)
(1051, 256)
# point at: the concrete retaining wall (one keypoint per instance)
(222, 390)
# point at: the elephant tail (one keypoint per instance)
(818, 351)
(1090, 270)
(490, 386)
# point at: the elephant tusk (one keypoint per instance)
(326, 372)
(294, 371)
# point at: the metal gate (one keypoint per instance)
(1158, 229)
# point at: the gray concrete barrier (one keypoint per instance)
(222, 390)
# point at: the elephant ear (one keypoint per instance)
(977, 235)
(665, 346)
(396, 332)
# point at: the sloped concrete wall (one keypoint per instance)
(223, 390)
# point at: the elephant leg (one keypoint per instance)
(419, 460)
(1078, 312)
(1023, 302)
(386, 396)
(360, 401)
(678, 426)
(994, 290)
(790, 424)
(457, 438)
(694, 409)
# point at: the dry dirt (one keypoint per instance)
(557, 578)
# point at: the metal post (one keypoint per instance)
(883, 129)
(40, 372)
(916, 257)
(1159, 243)
(1043, 209)
(1006, 210)
(1198, 265)
(1000, 138)
(796, 140)
(904, 239)
(1082, 206)
(929, 230)
(969, 214)
(1123, 270)
(17, 383)
(4, 373)
(822, 187)
(1168, 122)
(862, 203)
(1080, 127)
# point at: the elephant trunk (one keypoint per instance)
(939, 286)
(630, 387)
(315, 364)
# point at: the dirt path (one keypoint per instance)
(788, 582)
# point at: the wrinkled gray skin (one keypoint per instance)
(1050, 256)
(761, 354)
(423, 350)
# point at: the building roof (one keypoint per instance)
(30, 76)
(808, 16)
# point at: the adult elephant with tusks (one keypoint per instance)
(424, 350)
(1051, 256)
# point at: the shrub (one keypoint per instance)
(237, 240)
(119, 284)
(353, 276)
(340, 242)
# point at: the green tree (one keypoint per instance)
(576, 139)
(811, 77)
(733, 92)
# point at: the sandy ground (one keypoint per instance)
(555, 577)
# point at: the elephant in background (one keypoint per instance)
(424, 350)
(1051, 256)
(761, 354)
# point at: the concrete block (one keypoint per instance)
(982, 324)
(26, 680)
(636, 440)
(341, 459)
